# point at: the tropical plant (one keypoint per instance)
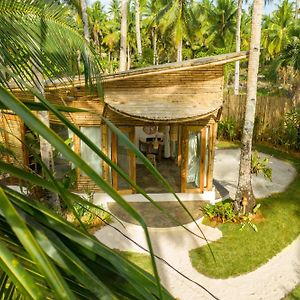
(259, 165)
(222, 20)
(221, 211)
(228, 129)
(275, 32)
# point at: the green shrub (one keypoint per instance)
(223, 212)
(228, 129)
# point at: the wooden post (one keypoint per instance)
(211, 154)
(202, 159)
(184, 158)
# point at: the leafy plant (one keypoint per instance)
(91, 217)
(223, 212)
(227, 129)
(259, 165)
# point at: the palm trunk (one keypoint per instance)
(296, 9)
(138, 30)
(97, 43)
(123, 41)
(179, 51)
(238, 47)
(244, 199)
(128, 58)
(45, 147)
(85, 20)
(154, 42)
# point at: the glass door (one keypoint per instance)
(193, 159)
(125, 159)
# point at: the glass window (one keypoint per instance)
(193, 159)
(88, 155)
(123, 159)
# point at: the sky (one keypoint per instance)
(268, 8)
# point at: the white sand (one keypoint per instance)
(270, 281)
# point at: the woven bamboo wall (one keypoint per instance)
(270, 110)
(12, 135)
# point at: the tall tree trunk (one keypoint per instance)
(244, 199)
(238, 47)
(85, 20)
(46, 150)
(296, 9)
(154, 43)
(128, 58)
(123, 41)
(97, 43)
(138, 30)
(179, 51)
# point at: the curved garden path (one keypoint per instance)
(270, 281)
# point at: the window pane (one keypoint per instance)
(123, 159)
(88, 155)
(193, 160)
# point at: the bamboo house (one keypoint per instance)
(169, 111)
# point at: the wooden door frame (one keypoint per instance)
(132, 159)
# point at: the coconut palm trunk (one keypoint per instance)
(179, 51)
(244, 199)
(85, 20)
(138, 30)
(123, 41)
(154, 42)
(238, 47)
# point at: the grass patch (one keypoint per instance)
(141, 260)
(239, 252)
(294, 294)
(222, 144)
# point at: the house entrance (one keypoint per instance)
(182, 154)
(160, 144)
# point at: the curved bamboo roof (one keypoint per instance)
(178, 110)
(174, 92)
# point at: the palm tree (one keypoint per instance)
(276, 28)
(123, 40)
(244, 199)
(98, 24)
(238, 46)
(222, 20)
(85, 20)
(152, 9)
(138, 29)
(176, 18)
